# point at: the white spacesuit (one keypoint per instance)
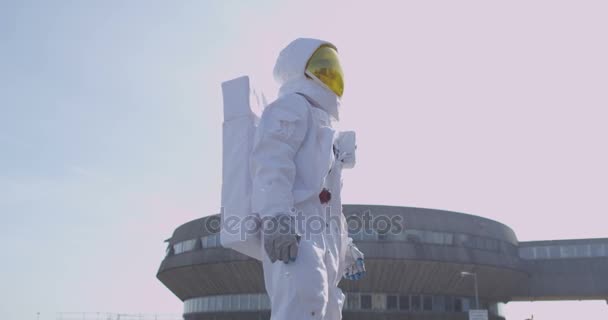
(296, 167)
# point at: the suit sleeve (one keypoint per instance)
(282, 129)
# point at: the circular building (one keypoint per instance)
(425, 269)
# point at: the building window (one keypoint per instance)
(466, 304)
(448, 239)
(212, 304)
(366, 301)
(582, 251)
(210, 241)
(243, 302)
(254, 301)
(204, 304)
(568, 252)
(427, 303)
(457, 305)
(352, 301)
(416, 303)
(396, 235)
(542, 252)
(492, 245)
(404, 302)
(462, 240)
(449, 304)
(415, 236)
(378, 301)
(219, 303)
(438, 303)
(177, 248)
(170, 250)
(392, 302)
(563, 251)
(526, 253)
(265, 302)
(184, 246)
(234, 302)
(226, 302)
(597, 250)
(433, 237)
(554, 252)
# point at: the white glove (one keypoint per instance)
(280, 239)
(345, 149)
(355, 268)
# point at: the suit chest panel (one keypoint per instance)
(324, 140)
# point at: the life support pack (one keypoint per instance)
(242, 109)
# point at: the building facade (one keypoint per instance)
(414, 272)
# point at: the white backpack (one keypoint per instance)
(242, 109)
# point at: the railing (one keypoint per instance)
(115, 316)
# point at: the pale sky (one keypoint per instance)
(110, 127)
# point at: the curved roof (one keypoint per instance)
(393, 266)
(427, 258)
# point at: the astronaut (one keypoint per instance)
(296, 166)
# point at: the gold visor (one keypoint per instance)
(325, 67)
